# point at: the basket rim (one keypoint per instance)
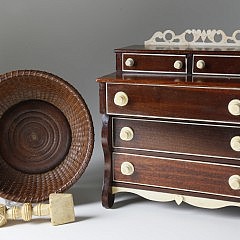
(90, 136)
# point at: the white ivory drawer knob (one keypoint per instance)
(200, 64)
(178, 64)
(127, 168)
(235, 143)
(129, 62)
(121, 99)
(234, 107)
(234, 182)
(126, 134)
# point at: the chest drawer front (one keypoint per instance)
(216, 65)
(173, 102)
(175, 174)
(177, 137)
(158, 63)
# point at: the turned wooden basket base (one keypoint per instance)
(38, 135)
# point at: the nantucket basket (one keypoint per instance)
(46, 135)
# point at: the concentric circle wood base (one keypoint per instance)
(34, 136)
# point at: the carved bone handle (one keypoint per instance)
(60, 209)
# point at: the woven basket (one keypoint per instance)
(46, 135)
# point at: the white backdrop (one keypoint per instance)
(75, 40)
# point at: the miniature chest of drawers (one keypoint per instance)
(171, 125)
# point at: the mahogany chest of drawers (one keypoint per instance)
(171, 125)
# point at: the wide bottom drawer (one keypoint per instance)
(178, 174)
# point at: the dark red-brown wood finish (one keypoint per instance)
(107, 196)
(180, 118)
(177, 174)
(178, 137)
(173, 102)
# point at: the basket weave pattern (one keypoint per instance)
(18, 86)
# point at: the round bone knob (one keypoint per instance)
(178, 64)
(235, 143)
(129, 62)
(234, 107)
(200, 64)
(234, 182)
(126, 134)
(121, 99)
(127, 168)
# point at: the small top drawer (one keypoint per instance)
(155, 63)
(216, 64)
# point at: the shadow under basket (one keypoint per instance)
(46, 135)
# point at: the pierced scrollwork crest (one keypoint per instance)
(195, 37)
